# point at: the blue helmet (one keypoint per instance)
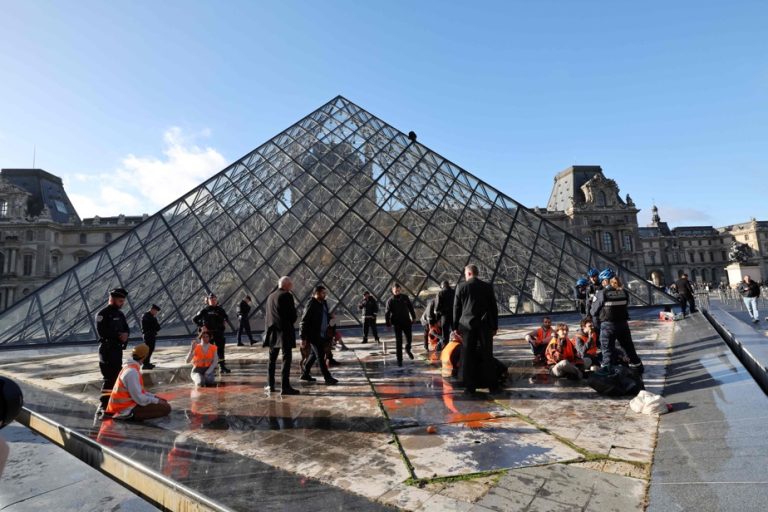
(592, 272)
(607, 273)
(582, 281)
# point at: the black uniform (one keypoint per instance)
(245, 324)
(476, 315)
(110, 322)
(580, 296)
(280, 333)
(444, 308)
(610, 308)
(149, 329)
(369, 308)
(314, 328)
(215, 319)
(399, 313)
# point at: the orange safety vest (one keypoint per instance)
(542, 336)
(591, 345)
(120, 399)
(449, 359)
(201, 359)
(568, 353)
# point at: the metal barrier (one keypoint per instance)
(152, 486)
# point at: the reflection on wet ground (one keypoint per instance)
(345, 447)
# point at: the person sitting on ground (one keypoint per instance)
(202, 354)
(539, 338)
(562, 356)
(586, 344)
(129, 400)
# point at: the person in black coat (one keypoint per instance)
(444, 308)
(370, 308)
(113, 331)
(313, 329)
(215, 319)
(280, 333)
(475, 315)
(245, 325)
(685, 294)
(399, 314)
(149, 329)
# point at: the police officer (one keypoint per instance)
(611, 309)
(593, 285)
(149, 329)
(214, 318)
(580, 295)
(112, 329)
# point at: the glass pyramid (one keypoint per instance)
(339, 198)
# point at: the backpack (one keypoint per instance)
(622, 381)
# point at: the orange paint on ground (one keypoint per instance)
(402, 403)
(471, 419)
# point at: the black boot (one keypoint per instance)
(224, 368)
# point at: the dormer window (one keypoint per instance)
(601, 199)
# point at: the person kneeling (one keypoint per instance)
(561, 355)
(129, 400)
(204, 359)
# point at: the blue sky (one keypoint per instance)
(134, 102)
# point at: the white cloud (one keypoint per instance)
(144, 184)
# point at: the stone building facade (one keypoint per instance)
(41, 234)
(586, 203)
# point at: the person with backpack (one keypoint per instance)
(750, 291)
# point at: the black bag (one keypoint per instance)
(622, 381)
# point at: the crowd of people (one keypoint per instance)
(467, 315)
(470, 312)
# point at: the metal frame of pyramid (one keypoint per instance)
(339, 198)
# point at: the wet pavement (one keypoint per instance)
(384, 437)
(711, 452)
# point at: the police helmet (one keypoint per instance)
(582, 281)
(592, 272)
(607, 273)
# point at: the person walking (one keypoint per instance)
(128, 399)
(370, 308)
(611, 308)
(475, 315)
(149, 329)
(444, 308)
(245, 324)
(399, 314)
(202, 354)
(280, 334)
(750, 291)
(313, 329)
(113, 331)
(214, 318)
(685, 294)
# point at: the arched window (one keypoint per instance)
(3, 208)
(607, 242)
(601, 199)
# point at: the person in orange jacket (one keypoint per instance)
(539, 338)
(204, 358)
(129, 400)
(586, 343)
(562, 356)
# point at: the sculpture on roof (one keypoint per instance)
(739, 252)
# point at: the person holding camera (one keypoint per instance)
(113, 331)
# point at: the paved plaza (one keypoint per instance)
(384, 437)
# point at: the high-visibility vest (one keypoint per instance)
(449, 359)
(120, 399)
(568, 352)
(542, 336)
(202, 359)
(591, 342)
